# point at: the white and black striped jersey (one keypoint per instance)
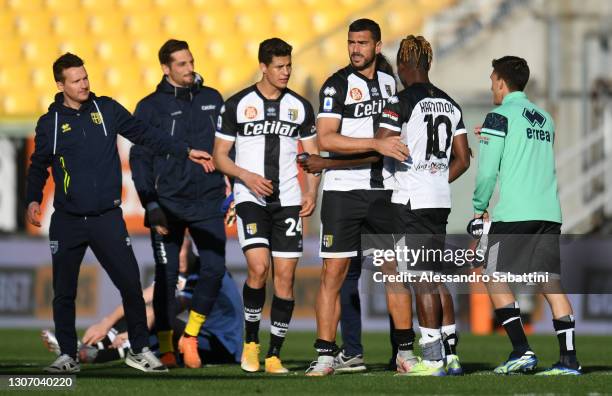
(427, 119)
(266, 134)
(358, 102)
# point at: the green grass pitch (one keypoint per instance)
(21, 352)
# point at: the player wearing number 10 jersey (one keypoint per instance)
(265, 122)
(430, 123)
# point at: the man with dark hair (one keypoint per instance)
(431, 124)
(351, 102)
(264, 123)
(78, 139)
(517, 138)
(179, 194)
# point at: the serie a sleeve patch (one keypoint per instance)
(495, 124)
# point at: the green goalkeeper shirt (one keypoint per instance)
(517, 145)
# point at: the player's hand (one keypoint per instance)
(33, 213)
(258, 184)
(478, 130)
(203, 158)
(484, 216)
(157, 219)
(309, 202)
(313, 164)
(392, 146)
(119, 340)
(96, 333)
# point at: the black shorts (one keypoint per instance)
(345, 215)
(523, 247)
(278, 228)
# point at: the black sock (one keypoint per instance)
(404, 338)
(325, 348)
(510, 318)
(565, 328)
(280, 316)
(253, 305)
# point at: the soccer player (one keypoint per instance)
(179, 194)
(517, 147)
(219, 340)
(77, 138)
(264, 123)
(430, 123)
(351, 101)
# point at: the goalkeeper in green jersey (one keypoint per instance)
(516, 148)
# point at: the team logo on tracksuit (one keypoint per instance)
(54, 245)
(96, 117)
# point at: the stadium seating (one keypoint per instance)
(119, 42)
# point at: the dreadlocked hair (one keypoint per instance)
(415, 51)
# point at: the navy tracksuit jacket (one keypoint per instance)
(190, 198)
(80, 146)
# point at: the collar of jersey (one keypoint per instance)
(364, 78)
(513, 96)
(283, 92)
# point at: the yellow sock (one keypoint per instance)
(165, 341)
(194, 324)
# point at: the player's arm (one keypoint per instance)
(460, 157)
(332, 141)
(309, 197)
(316, 163)
(141, 164)
(492, 144)
(98, 331)
(37, 173)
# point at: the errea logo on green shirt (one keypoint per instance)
(535, 118)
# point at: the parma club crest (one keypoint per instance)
(251, 228)
(96, 117)
(328, 240)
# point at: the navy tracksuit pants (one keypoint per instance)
(350, 312)
(107, 236)
(209, 238)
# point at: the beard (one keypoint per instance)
(367, 62)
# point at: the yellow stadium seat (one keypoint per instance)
(225, 51)
(70, 23)
(108, 23)
(146, 48)
(137, 6)
(33, 24)
(208, 5)
(294, 21)
(11, 48)
(151, 76)
(113, 50)
(60, 6)
(41, 51)
(173, 5)
(144, 24)
(217, 23)
(82, 46)
(7, 25)
(20, 102)
(181, 25)
(42, 77)
(284, 5)
(255, 21)
(16, 78)
(24, 6)
(93, 6)
(324, 21)
(400, 24)
(242, 5)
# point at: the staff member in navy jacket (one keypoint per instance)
(78, 139)
(179, 194)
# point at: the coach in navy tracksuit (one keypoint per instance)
(78, 139)
(180, 194)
